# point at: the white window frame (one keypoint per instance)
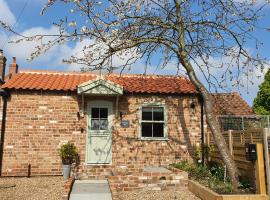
(158, 105)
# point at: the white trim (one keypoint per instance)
(165, 129)
(100, 86)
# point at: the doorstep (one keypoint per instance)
(90, 190)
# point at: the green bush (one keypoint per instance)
(195, 171)
(245, 184)
(221, 187)
(199, 172)
(211, 178)
(68, 153)
(207, 149)
(218, 171)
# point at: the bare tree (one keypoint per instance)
(187, 32)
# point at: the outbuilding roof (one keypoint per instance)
(64, 81)
(231, 104)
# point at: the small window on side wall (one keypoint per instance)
(152, 122)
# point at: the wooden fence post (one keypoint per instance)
(266, 134)
(230, 142)
(259, 170)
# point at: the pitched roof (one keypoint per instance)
(231, 104)
(38, 80)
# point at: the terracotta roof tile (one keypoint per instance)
(47, 81)
(154, 84)
(231, 104)
(69, 82)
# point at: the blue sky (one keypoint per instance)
(30, 22)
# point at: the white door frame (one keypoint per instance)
(93, 104)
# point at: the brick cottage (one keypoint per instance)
(127, 121)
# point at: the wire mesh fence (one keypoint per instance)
(246, 122)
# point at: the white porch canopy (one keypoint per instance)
(100, 86)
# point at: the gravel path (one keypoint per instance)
(157, 195)
(35, 188)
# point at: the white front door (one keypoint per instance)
(99, 135)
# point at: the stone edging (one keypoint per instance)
(67, 188)
(207, 194)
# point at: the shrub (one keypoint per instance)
(213, 176)
(245, 184)
(218, 171)
(68, 153)
(210, 178)
(207, 149)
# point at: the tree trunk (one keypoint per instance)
(212, 122)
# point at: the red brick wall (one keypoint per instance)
(39, 122)
(183, 128)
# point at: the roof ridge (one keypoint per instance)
(96, 74)
(148, 75)
(55, 72)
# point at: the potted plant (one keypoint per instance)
(68, 154)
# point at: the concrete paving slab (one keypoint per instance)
(156, 169)
(90, 190)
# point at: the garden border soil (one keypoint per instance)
(206, 194)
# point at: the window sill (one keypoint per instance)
(154, 139)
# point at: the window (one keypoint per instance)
(152, 122)
(99, 119)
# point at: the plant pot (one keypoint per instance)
(66, 171)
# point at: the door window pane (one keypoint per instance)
(95, 124)
(99, 119)
(103, 124)
(103, 113)
(95, 113)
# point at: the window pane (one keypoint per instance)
(104, 113)
(146, 129)
(147, 113)
(158, 114)
(158, 130)
(94, 124)
(103, 124)
(95, 113)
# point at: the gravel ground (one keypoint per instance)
(157, 195)
(35, 188)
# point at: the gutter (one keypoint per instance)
(202, 130)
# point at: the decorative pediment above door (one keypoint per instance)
(100, 86)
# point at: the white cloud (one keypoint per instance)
(5, 13)
(51, 60)
(22, 50)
